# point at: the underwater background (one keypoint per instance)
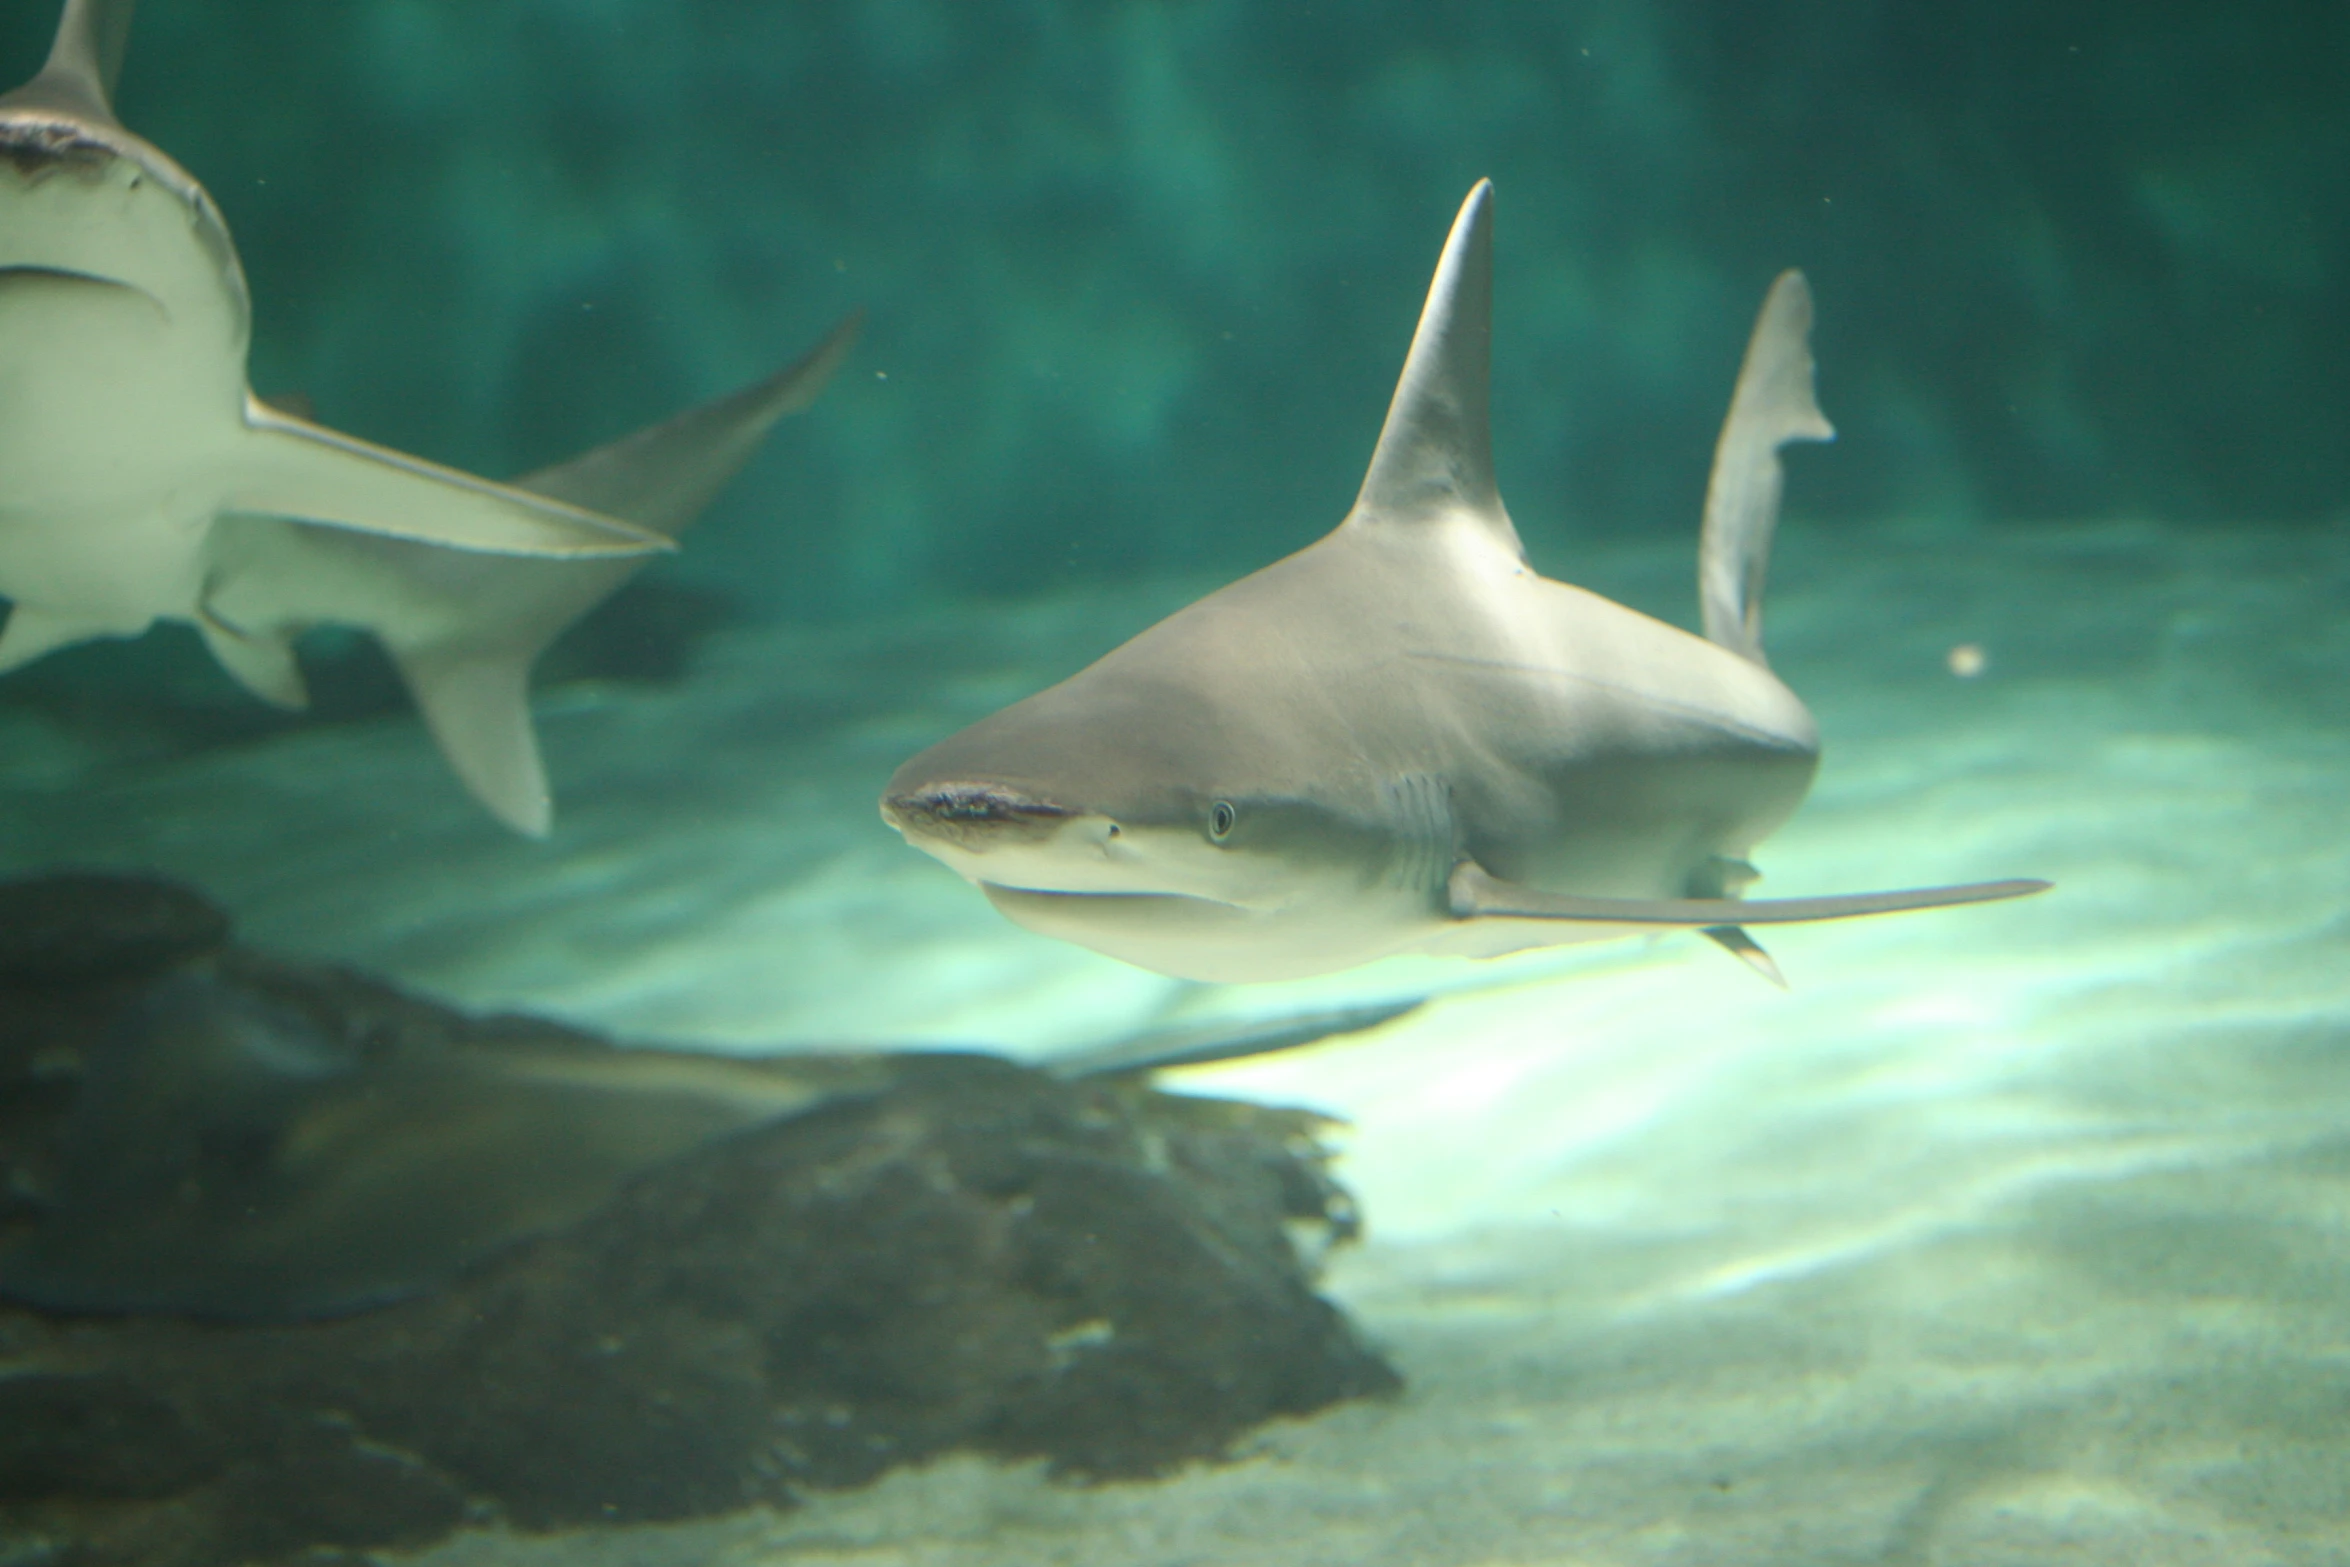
(1139, 273)
(2008, 1235)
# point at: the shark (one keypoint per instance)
(463, 628)
(1402, 739)
(127, 425)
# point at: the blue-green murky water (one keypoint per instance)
(2013, 1234)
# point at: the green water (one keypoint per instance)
(2007, 1235)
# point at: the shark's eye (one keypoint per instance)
(1221, 817)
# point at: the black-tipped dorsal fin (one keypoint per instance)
(1772, 405)
(85, 60)
(1435, 454)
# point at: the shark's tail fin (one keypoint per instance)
(1772, 406)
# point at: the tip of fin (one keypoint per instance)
(662, 476)
(1746, 950)
(478, 710)
(1435, 453)
(262, 663)
(1773, 404)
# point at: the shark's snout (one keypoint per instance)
(40, 144)
(972, 815)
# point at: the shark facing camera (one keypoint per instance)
(146, 482)
(1403, 739)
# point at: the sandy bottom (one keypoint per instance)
(2008, 1235)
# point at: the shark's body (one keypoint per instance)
(126, 425)
(1403, 739)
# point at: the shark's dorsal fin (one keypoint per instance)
(85, 60)
(1435, 454)
(1773, 404)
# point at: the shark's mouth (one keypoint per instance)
(973, 815)
(1078, 916)
(40, 144)
(999, 891)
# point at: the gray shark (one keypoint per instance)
(1403, 739)
(464, 629)
(126, 425)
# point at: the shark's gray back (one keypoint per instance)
(1565, 731)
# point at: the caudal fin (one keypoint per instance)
(478, 709)
(662, 476)
(488, 618)
(1772, 405)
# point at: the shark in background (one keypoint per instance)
(126, 425)
(1403, 739)
(147, 482)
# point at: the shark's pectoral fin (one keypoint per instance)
(478, 709)
(1745, 949)
(288, 467)
(263, 662)
(1476, 895)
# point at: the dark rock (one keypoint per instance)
(317, 1485)
(94, 1434)
(87, 927)
(961, 1253)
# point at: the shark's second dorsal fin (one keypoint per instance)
(1772, 405)
(1435, 453)
(85, 60)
